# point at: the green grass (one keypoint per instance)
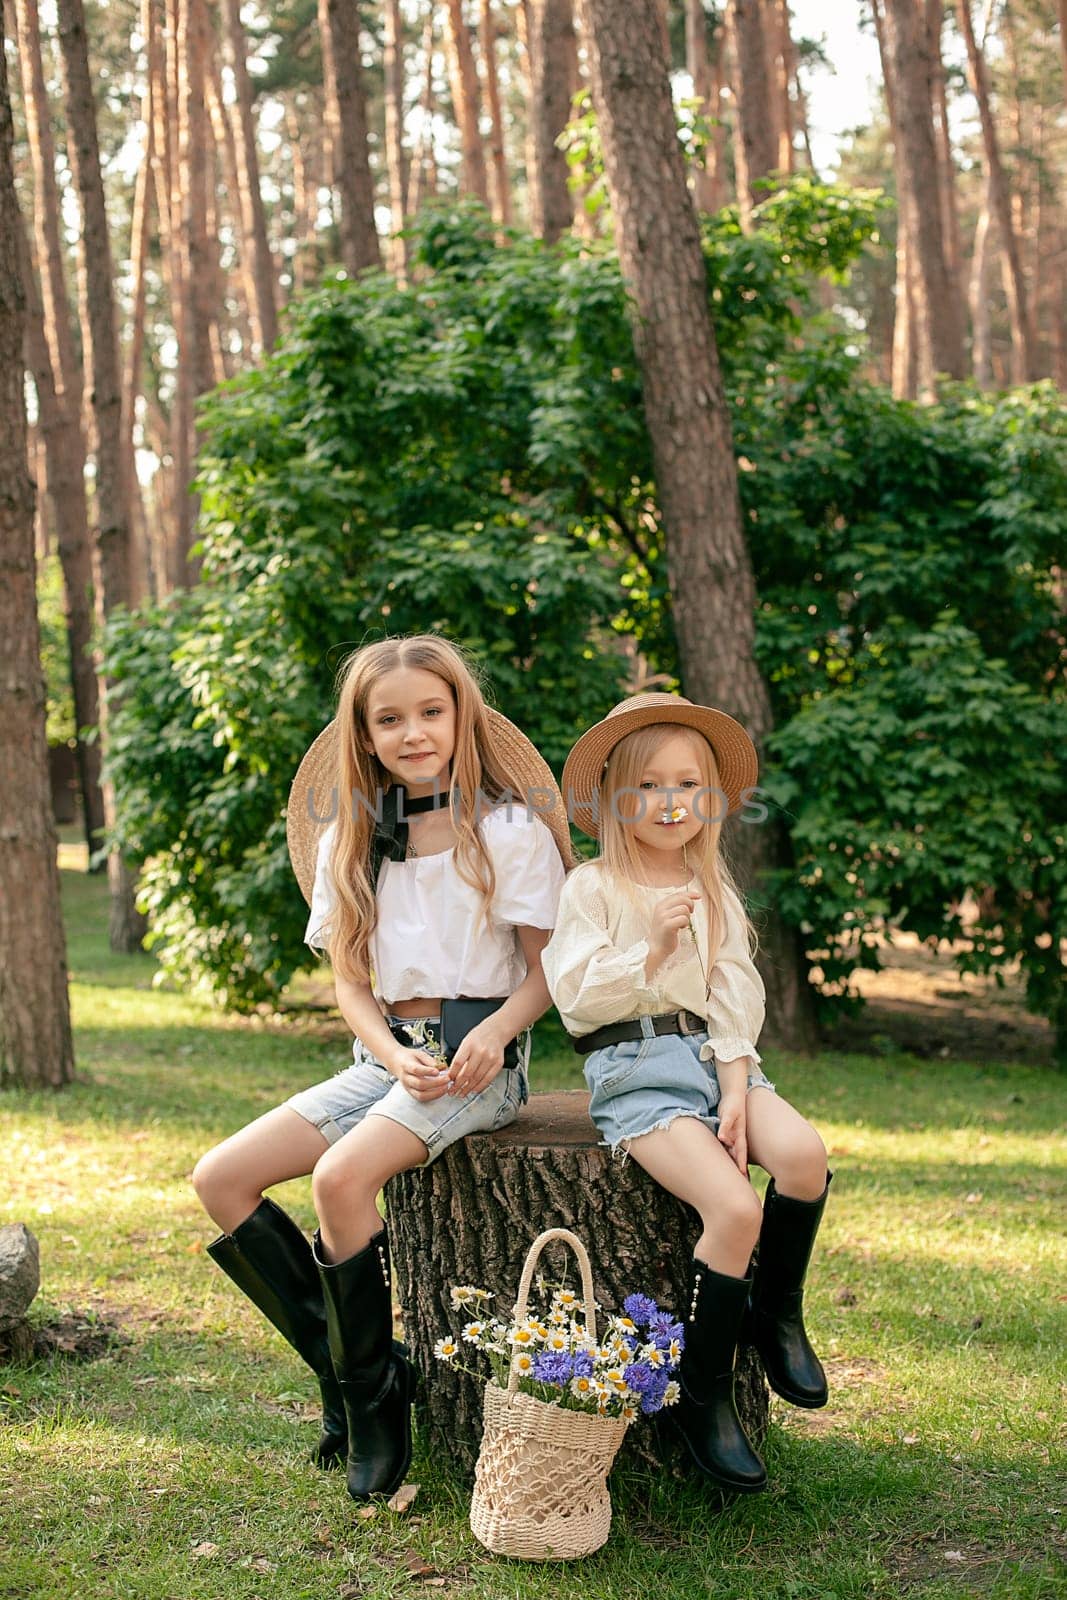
(172, 1467)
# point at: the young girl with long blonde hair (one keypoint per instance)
(651, 969)
(431, 841)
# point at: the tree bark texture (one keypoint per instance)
(471, 1218)
(946, 165)
(35, 1038)
(712, 586)
(755, 141)
(551, 53)
(345, 93)
(64, 456)
(1022, 334)
(698, 65)
(254, 243)
(112, 553)
(498, 166)
(936, 302)
(66, 368)
(465, 103)
(395, 158)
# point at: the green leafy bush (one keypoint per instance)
(470, 454)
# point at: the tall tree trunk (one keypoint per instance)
(781, 31)
(346, 97)
(981, 327)
(35, 1038)
(1022, 334)
(423, 166)
(698, 65)
(755, 145)
(66, 368)
(946, 165)
(395, 159)
(141, 577)
(64, 454)
(255, 246)
(935, 302)
(465, 103)
(551, 51)
(711, 579)
(95, 276)
(501, 185)
(242, 281)
(904, 367)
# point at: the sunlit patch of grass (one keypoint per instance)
(174, 1464)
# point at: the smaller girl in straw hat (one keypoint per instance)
(651, 968)
(433, 886)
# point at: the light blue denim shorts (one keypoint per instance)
(367, 1089)
(646, 1083)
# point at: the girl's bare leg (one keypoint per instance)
(687, 1159)
(785, 1145)
(349, 1177)
(231, 1178)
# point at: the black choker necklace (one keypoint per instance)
(390, 842)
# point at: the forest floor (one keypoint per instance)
(157, 1447)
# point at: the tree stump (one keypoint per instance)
(471, 1218)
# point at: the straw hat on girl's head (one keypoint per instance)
(313, 798)
(735, 754)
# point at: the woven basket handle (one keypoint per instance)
(526, 1280)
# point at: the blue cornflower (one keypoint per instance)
(553, 1366)
(639, 1376)
(583, 1364)
(652, 1395)
(640, 1309)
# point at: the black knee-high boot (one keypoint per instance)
(706, 1412)
(376, 1380)
(270, 1260)
(785, 1243)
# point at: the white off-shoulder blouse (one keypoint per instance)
(594, 964)
(431, 939)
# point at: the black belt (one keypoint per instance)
(683, 1022)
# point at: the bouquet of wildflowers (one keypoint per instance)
(629, 1373)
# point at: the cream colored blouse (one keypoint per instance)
(595, 966)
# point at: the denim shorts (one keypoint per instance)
(645, 1083)
(367, 1089)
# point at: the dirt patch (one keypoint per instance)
(73, 1336)
(972, 1566)
(918, 1002)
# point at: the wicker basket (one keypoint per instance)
(540, 1485)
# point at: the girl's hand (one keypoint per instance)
(673, 914)
(478, 1059)
(423, 1077)
(732, 1135)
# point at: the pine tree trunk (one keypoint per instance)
(417, 177)
(698, 65)
(551, 51)
(498, 164)
(712, 585)
(981, 328)
(112, 554)
(782, 33)
(35, 1038)
(1022, 335)
(142, 583)
(395, 157)
(346, 97)
(255, 247)
(66, 368)
(465, 103)
(64, 452)
(935, 301)
(471, 1217)
(755, 145)
(946, 166)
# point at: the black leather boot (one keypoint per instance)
(375, 1377)
(706, 1413)
(270, 1260)
(785, 1243)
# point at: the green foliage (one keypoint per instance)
(470, 454)
(55, 652)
